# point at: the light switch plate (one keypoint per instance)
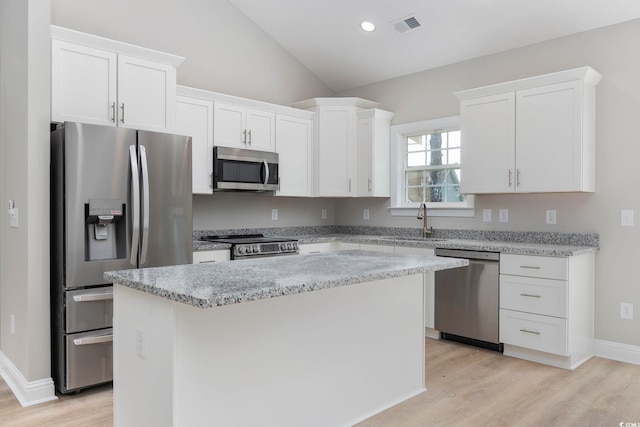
(13, 218)
(365, 214)
(486, 215)
(324, 214)
(626, 217)
(274, 214)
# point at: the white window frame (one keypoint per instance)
(399, 134)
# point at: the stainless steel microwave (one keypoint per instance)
(236, 169)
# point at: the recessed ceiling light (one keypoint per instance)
(367, 26)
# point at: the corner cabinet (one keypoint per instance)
(344, 146)
(532, 135)
(100, 81)
(294, 145)
(547, 308)
(194, 118)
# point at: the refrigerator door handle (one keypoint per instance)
(145, 205)
(135, 201)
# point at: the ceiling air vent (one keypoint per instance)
(405, 25)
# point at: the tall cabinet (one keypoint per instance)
(101, 81)
(352, 147)
(530, 136)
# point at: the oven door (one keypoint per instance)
(236, 169)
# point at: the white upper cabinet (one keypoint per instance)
(294, 145)
(374, 179)
(239, 126)
(101, 81)
(336, 136)
(531, 136)
(194, 117)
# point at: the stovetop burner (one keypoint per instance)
(255, 245)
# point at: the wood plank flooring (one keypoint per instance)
(466, 386)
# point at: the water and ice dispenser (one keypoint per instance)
(105, 229)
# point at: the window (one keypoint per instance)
(426, 168)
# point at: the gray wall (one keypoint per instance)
(613, 52)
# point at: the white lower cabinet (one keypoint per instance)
(314, 248)
(201, 257)
(546, 308)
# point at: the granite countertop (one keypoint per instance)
(218, 284)
(505, 247)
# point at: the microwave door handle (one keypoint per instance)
(145, 205)
(266, 172)
(135, 201)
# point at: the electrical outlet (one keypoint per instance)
(626, 217)
(274, 214)
(486, 215)
(626, 310)
(324, 214)
(140, 343)
(504, 215)
(551, 216)
(365, 214)
(13, 324)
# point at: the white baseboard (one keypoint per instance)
(28, 393)
(617, 351)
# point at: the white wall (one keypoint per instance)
(24, 138)
(613, 52)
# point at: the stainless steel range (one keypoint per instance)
(244, 246)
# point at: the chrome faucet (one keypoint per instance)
(422, 214)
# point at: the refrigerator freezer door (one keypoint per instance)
(96, 166)
(167, 226)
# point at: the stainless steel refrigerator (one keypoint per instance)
(120, 198)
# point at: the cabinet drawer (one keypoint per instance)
(535, 266)
(533, 331)
(88, 309)
(533, 295)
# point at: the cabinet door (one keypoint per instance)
(194, 117)
(337, 150)
(261, 130)
(203, 257)
(83, 84)
(488, 144)
(146, 94)
(229, 125)
(365, 157)
(549, 138)
(294, 147)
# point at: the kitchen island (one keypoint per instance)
(316, 340)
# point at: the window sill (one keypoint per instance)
(444, 212)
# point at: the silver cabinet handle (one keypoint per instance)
(207, 262)
(526, 331)
(113, 112)
(517, 177)
(135, 200)
(249, 136)
(369, 185)
(122, 115)
(349, 185)
(244, 136)
(93, 340)
(93, 297)
(510, 176)
(530, 267)
(530, 295)
(145, 205)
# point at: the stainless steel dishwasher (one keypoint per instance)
(467, 299)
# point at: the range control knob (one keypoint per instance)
(283, 246)
(241, 250)
(295, 246)
(256, 249)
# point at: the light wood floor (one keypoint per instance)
(466, 387)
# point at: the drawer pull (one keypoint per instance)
(531, 267)
(530, 295)
(93, 340)
(93, 297)
(526, 331)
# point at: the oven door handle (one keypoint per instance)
(266, 172)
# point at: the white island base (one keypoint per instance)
(331, 357)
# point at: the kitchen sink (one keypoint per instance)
(416, 239)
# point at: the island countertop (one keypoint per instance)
(217, 284)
